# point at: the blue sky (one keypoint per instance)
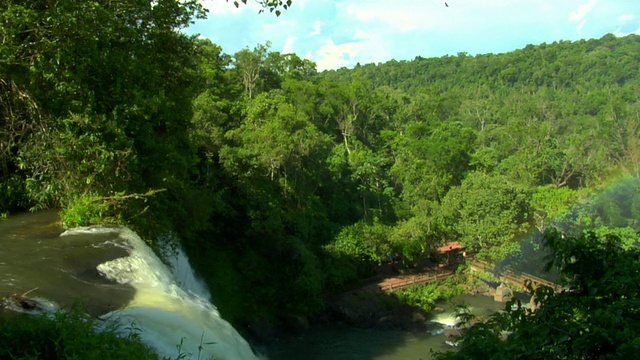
(342, 33)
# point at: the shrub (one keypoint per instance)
(66, 336)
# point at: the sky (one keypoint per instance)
(343, 33)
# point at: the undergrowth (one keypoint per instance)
(66, 336)
(428, 295)
(76, 335)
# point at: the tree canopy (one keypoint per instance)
(595, 315)
(111, 113)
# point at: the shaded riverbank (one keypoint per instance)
(345, 342)
(368, 307)
(406, 309)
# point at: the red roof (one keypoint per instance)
(450, 247)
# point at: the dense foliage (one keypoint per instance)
(67, 336)
(427, 296)
(96, 103)
(284, 183)
(595, 316)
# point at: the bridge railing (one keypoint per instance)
(414, 280)
(510, 276)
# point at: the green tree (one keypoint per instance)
(249, 64)
(488, 214)
(550, 204)
(368, 171)
(595, 316)
(365, 243)
(214, 108)
(104, 94)
(429, 160)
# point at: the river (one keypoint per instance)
(119, 280)
(341, 342)
(116, 277)
(35, 258)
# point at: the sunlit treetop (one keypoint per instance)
(272, 5)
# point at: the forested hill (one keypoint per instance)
(549, 123)
(578, 66)
(285, 184)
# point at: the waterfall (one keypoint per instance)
(174, 320)
(178, 263)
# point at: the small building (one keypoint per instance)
(452, 246)
(453, 252)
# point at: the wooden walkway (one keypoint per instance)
(519, 279)
(390, 284)
(395, 283)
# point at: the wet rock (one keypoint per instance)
(296, 324)
(503, 294)
(261, 330)
(532, 304)
(374, 312)
(451, 333)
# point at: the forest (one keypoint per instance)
(285, 184)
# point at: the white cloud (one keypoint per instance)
(332, 56)
(308, 55)
(416, 16)
(360, 34)
(582, 11)
(625, 18)
(288, 45)
(317, 25)
(367, 31)
(300, 3)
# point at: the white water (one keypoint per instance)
(171, 320)
(182, 272)
(446, 319)
(443, 321)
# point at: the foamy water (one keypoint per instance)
(446, 319)
(171, 320)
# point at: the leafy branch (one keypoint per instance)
(271, 5)
(114, 199)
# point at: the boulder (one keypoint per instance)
(503, 293)
(532, 304)
(451, 333)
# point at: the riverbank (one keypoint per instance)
(407, 310)
(339, 340)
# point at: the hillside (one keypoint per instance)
(284, 184)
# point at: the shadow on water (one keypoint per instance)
(344, 342)
(34, 258)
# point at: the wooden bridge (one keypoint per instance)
(508, 276)
(519, 279)
(395, 283)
